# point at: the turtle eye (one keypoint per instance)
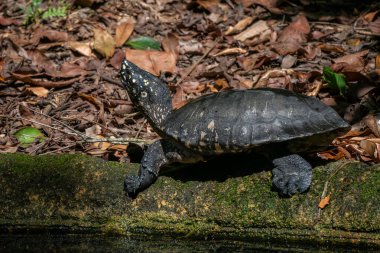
(144, 94)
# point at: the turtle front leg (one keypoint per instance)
(159, 154)
(291, 174)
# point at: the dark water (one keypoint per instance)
(88, 243)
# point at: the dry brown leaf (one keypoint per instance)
(43, 62)
(271, 5)
(368, 146)
(69, 69)
(230, 51)
(218, 85)
(324, 202)
(296, 31)
(328, 48)
(288, 61)
(152, 61)
(93, 131)
(170, 44)
(240, 26)
(178, 99)
(39, 91)
(256, 29)
(375, 26)
(245, 3)
(91, 99)
(328, 155)
(118, 147)
(83, 48)
(104, 44)
(123, 31)
(43, 83)
(377, 61)
(9, 21)
(350, 63)
(208, 4)
(370, 16)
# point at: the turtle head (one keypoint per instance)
(147, 92)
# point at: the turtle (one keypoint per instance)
(278, 123)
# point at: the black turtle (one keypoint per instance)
(276, 122)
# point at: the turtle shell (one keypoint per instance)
(238, 120)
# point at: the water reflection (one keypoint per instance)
(92, 243)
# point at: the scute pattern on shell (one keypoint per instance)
(234, 121)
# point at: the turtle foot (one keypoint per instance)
(131, 186)
(291, 174)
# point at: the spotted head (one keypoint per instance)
(147, 92)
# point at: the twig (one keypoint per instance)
(139, 131)
(60, 122)
(198, 61)
(110, 80)
(117, 140)
(325, 188)
(57, 150)
(86, 139)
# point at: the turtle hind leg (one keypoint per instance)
(291, 174)
(159, 154)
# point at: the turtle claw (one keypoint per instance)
(131, 186)
(291, 174)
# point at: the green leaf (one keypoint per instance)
(28, 135)
(334, 80)
(144, 43)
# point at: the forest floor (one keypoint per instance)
(59, 66)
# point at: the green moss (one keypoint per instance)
(81, 192)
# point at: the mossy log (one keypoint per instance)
(75, 193)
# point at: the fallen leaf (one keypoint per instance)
(373, 123)
(118, 147)
(288, 61)
(328, 48)
(296, 31)
(144, 42)
(9, 21)
(93, 131)
(43, 83)
(178, 99)
(28, 135)
(230, 51)
(83, 48)
(377, 61)
(91, 99)
(170, 44)
(324, 202)
(190, 47)
(51, 35)
(240, 26)
(350, 63)
(368, 146)
(208, 4)
(254, 30)
(218, 85)
(370, 16)
(375, 26)
(271, 5)
(123, 31)
(245, 3)
(152, 61)
(104, 44)
(328, 155)
(39, 91)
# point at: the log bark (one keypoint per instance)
(80, 194)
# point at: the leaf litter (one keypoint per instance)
(60, 75)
